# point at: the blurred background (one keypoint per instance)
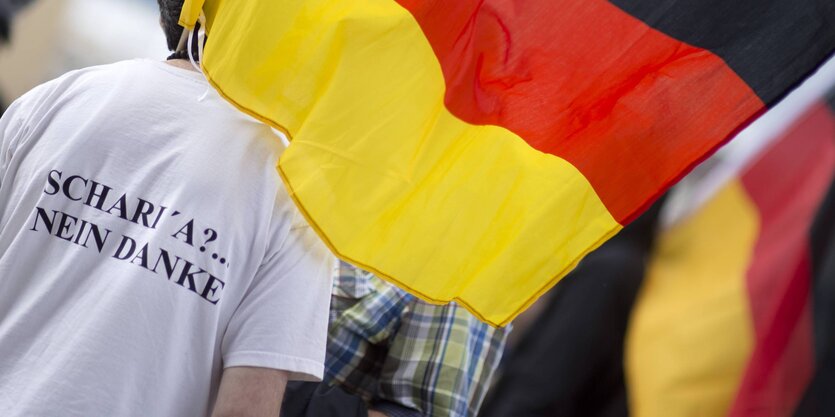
(50, 37)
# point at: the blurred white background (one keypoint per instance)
(50, 37)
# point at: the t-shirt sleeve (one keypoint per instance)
(16, 118)
(11, 125)
(282, 321)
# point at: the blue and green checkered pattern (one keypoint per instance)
(398, 352)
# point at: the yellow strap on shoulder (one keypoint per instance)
(191, 13)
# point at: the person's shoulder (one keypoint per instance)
(134, 69)
(76, 76)
(116, 68)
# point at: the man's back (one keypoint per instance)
(146, 243)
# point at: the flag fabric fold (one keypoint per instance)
(475, 150)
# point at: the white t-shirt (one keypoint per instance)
(147, 242)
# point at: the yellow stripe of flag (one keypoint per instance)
(402, 207)
(691, 332)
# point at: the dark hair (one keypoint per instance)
(169, 11)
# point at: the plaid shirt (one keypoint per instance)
(404, 356)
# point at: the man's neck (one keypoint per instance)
(181, 63)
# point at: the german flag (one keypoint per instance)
(736, 313)
(475, 150)
(818, 399)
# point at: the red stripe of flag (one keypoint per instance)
(787, 185)
(627, 105)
